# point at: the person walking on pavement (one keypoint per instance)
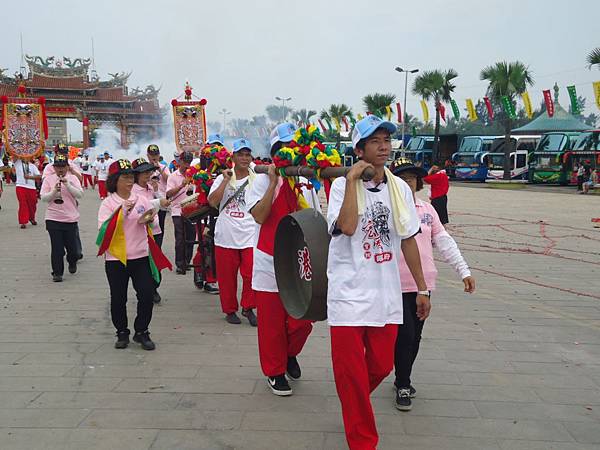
(432, 234)
(124, 240)
(234, 234)
(61, 190)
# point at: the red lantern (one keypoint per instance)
(203, 102)
(174, 102)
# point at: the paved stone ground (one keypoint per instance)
(515, 366)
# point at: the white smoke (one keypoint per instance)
(108, 139)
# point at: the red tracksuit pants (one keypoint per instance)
(229, 261)
(87, 180)
(362, 358)
(102, 192)
(279, 335)
(27, 204)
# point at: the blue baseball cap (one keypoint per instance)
(241, 144)
(215, 139)
(367, 126)
(284, 132)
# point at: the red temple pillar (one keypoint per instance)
(86, 133)
(124, 143)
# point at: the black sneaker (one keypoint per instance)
(198, 280)
(249, 314)
(144, 340)
(293, 368)
(157, 298)
(403, 402)
(279, 385)
(73, 267)
(233, 319)
(180, 271)
(122, 339)
(211, 288)
(413, 391)
(56, 278)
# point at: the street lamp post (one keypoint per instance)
(406, 71)
(283, 100)
(225, 114)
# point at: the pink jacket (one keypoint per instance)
(68, 211)
(432, 233)
(136, 237)
(148, 194)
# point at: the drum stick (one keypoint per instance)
(307, 172)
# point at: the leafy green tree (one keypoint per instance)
(510, 80)
(335, 114)
(436, 85)
(278, 113)
(593, 59)
(302, 116)
(376, 103)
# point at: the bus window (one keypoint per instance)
(521, 160)
(552, 143)
(527, 144)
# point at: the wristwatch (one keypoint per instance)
(427, 293)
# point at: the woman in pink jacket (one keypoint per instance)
(61, 189)
(432, 234)
(119, 185)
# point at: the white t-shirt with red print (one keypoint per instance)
(364, 278)
(235, 227)
(263, 268)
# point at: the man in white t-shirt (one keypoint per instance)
(280, 336)
(102, 174)
(87, 171)
(370, 223)
(27, 173)
(234, 234)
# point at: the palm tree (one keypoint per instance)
(376, 103)
(507, 79)
(336, 113)
(435, 85)
(302, 116)
(593, 59)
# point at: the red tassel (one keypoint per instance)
(42, 102)
(549, 102)
(442, 110)
(322, 126)
(399, 112)
(488, 106)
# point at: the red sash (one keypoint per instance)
(285, 203)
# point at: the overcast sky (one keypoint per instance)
(241, 54)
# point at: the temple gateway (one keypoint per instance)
(73, 91)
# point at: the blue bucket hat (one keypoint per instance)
(367, 126)
(215, 139)
(284, 132)
(241, 144)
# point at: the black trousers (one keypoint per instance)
(161, 222)
(183, 251)
(407, 341)
(63, 236)
(78, 242)
(118, 277)
(440, 204)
